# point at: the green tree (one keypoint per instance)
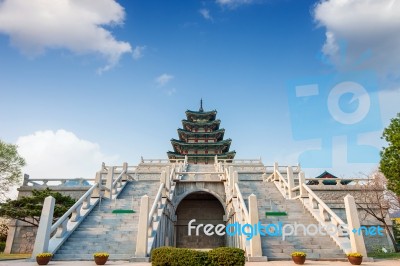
(28, 209)
(10, 167)
(390, 155)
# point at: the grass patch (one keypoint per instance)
(14, 256)
(381, 255)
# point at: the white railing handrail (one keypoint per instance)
(323, 205)
(155, 160)
(172, 174)
(282, 178)
(242, 203)
(155, 204)
(73, 207)
(118, 178)
(45, 181)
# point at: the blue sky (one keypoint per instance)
(90, 81)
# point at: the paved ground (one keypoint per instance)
(270, 263)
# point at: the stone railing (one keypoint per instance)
(53, 181)
(67, 223)
(156, 223)
(194, 176)
(327, 218)
(285, 184)
(238, 212)
(166, 161)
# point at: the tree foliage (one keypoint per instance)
(3, 230)
(390, 155)
(28, 209)
(10, 167)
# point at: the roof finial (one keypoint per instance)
(201, 105)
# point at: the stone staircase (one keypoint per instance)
(270, 199)
(103, 231)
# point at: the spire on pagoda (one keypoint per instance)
(201, 105)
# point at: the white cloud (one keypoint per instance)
(138, 52)
(61, 154)
(206, 14)
(75, 25)
(163, 79)
(362, 33)
(233, 3)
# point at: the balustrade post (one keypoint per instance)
(290, 182)
(255, 242)
(230, 178)
(276, 169)
(235, 179)
(323, 213)
(303, 191)
(26, 179)
(96, 191)
(356, 239)
(76, 214)
(109, 183)
(163, 180)
(313, 202)
(125, 169)
(44, 229)
(141, 243)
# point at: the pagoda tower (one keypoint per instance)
(201, 138)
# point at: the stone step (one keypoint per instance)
(71, 257)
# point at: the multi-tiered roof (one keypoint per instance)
(201, 138)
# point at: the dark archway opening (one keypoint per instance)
(206, 209)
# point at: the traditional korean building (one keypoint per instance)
(201, 138)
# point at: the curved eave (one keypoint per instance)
(226, 155)
(179, 145)
(183, 134)
(197, 118)
(190, 124)
(213, 112)
(219, 143)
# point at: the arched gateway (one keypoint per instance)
(199, 209)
